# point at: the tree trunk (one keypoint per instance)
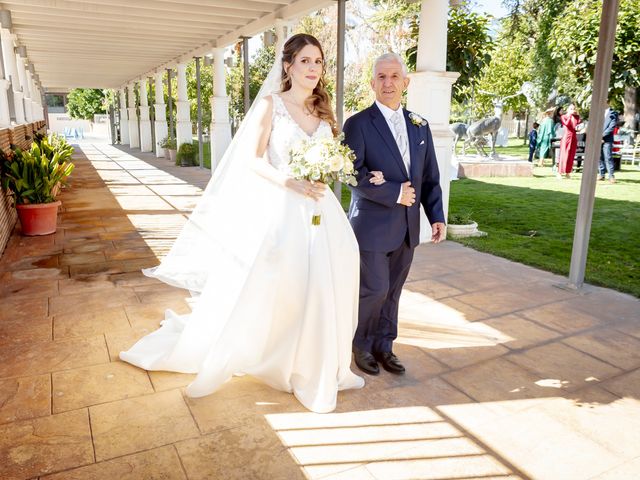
(631, 107)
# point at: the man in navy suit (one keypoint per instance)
(606, 154)
(396, 165)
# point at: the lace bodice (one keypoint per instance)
(285, 132)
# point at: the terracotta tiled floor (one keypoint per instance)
(508, 376)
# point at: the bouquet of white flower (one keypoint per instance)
(322, 160)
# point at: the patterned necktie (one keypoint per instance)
(401, 138)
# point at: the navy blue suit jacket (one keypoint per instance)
(379, 222)
(610, 122)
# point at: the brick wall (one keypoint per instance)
(21, 136)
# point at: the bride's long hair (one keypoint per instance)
(319, 103)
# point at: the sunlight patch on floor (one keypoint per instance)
(428, 323)
(394, 443)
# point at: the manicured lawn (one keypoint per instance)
(531, 220)
(206, 148)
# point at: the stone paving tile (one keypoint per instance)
(81, 258)
(90, 323)
(238, 402)
(625, 470)
(25, 330)
(158, 464)
(564, 366)
(169, 380)
(45, 445)
(627, 385)
(83, 387)
(499, 381)
(432, 288)
(468, 312)
(121, 340)
(73, 286)
(45, 357)
(149, 315)
(226, 454)
(609, 345)
(25, 397)
(141, 423)
(23, 308)
(11, 288)
(91, 301)
(523, 333)
(562, 317)
(543, 446)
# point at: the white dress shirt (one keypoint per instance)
(387, 113)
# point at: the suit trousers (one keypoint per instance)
(382, 275)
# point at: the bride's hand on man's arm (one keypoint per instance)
(377, 177)
(313, 190)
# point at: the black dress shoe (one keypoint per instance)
(366, 362)
(390, 362)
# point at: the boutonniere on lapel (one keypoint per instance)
(417, 119)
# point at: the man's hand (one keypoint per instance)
(408, 196)
(437, 232)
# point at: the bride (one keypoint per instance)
(277, 297)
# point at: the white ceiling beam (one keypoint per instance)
(38, 20)
(293, 10)
(167, 19)
(185, 11)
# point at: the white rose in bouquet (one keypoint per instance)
(322, 160)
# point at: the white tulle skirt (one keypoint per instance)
(286, 317)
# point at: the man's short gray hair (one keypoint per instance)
(390, 57)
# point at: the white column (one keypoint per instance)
(184, 128)
(5, 115)
(24, 83)
(220, 125)
(28, 97)
(429, 93)
(146, 144)
(281, 34)
(124, 119)
(11, 73)
(134, 134)
(161, 129)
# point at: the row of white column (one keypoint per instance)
(18, 81)
(137, 132)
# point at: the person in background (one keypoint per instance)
(606, 152)
(569, 142)
(545, 134)
(533, 140)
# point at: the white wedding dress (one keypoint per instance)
(285, 314)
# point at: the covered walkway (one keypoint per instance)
(508, 376)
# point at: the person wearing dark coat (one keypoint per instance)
(606, 153)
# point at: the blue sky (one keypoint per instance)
(494, 7)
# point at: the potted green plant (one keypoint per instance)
(170, 147)
(186, 155)
(461, 224)
(33, 178)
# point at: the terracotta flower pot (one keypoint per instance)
(172, 155)
(38, 218)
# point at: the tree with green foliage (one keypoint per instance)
(259, 67)
(468, 48)
(509, 68)
(84, 103)
(574, 40)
